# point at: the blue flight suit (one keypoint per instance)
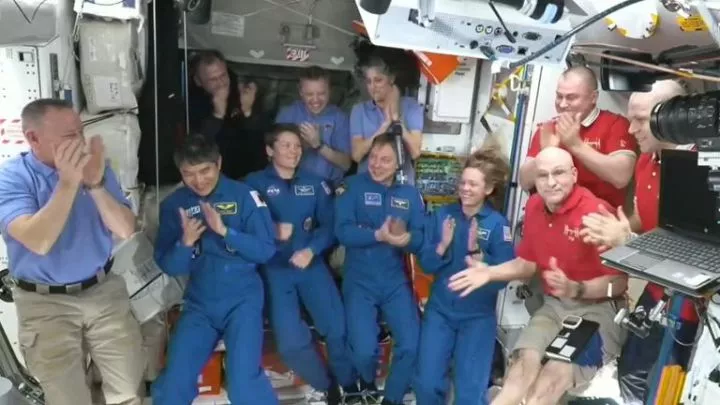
(334, 130)
(305, 202)
(224, 296)
(455, 330)
(374, 276)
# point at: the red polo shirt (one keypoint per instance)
(556, 234)
(647, 204)
(607, 133)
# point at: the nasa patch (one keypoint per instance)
(308, 224)
(272, 191)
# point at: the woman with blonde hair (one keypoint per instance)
(461, 330)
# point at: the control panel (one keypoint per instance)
(470, 28)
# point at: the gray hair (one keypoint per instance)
(378, 64)
(34, 112)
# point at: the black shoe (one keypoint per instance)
(368, 387)
(334, 396)
(351, 389)
(352, 394)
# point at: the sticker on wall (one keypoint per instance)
(230, 25)
(297, 53)
(637, 21)
(337, 60)
(257, 54)
(693, 23)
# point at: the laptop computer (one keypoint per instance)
(683, 253)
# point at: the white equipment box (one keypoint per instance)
(121, 135)
(109, 65)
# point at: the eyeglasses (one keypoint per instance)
(544, 177)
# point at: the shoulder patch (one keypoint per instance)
(325, 187)
(258, 200)
(507, 234)
(340, 190)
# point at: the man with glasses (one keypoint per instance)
(639, 355)
(575, 283)
(601, 147)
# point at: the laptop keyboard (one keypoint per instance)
(706, 257)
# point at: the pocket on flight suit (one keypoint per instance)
(27, 340)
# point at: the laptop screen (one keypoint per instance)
(686, 202)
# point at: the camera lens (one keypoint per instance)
(685, 119)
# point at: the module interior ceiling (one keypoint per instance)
(668, 34)
(249, 31)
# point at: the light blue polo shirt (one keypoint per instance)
(334, 132)
(85, 244)
(367, 117)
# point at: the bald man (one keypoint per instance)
(574, 283)
(602, 150)
(639, 355)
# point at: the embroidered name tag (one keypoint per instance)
(374, 199)
(401, 203)
(483, 234)
(305, 190)
(226, 208)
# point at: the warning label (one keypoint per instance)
(694, 23)
(12, 140)
(11, 128)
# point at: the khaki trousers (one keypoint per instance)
(54, 330)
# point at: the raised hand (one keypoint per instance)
(94, 170)
(70, 161)
(193, 228)
(213, 219)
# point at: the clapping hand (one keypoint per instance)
(213, 219)
(604, 229)
(192, 228)
(70, 161)
(475, 276)
(94, 170)
(384, 234)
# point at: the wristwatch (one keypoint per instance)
(580, 290)
(99, 184)
(320, 145)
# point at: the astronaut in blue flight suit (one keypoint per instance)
(217, 230)
(461, 330)
(300, 203)
(324, 128)
(378, 221)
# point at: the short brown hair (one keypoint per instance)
(274, 133)
(314, 73)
